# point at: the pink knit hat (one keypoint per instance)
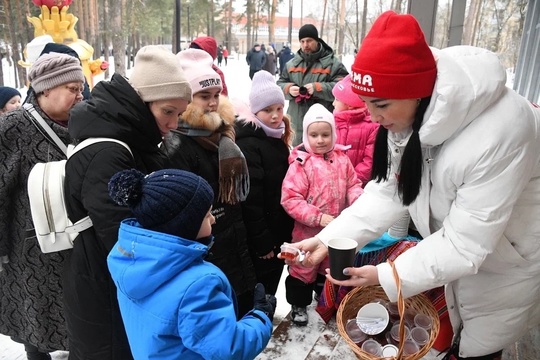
(197, 66)
(318, 113)
(343, 92)
(264, 92)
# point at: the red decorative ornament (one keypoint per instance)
(51, 3)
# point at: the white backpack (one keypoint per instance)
(54, 230)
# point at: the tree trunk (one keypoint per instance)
(92, 39)
(471, 22)
(249, 24)
(323, 18)
(17, 75)
(364, 22)
(341, 28)
(105, 42)
(83, 20)
(118, 39)
(336, 24)
(272, 23)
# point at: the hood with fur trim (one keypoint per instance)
(195, 118)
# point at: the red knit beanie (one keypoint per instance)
(394, 61)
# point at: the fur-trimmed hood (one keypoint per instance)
(195, 118)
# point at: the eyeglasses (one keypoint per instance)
(75, 89)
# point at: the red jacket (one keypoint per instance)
(354, 128)
(209, 44)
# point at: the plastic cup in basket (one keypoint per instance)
(410, 347)
(289, 252)
(354, 332)
(372, 347)
(372, 318)
(394, 332)
(420, 336)
(389, 350)
(423, 321)
(392, 308)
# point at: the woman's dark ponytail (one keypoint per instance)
(411, 166)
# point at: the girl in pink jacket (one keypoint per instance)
(319, 184)
(354, 128)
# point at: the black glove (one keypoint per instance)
(264, 302)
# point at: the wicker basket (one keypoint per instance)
(360, 296)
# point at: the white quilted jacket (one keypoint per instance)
(478, 208)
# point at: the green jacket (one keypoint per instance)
(323, 70)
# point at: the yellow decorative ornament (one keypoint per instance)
(60, 26)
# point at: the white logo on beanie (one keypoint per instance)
(360, 79)
(362, 82)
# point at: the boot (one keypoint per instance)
(299, 315)
(32, 353)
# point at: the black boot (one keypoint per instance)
(32, 353)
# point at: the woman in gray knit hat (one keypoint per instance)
(31, 307)
(138, 111)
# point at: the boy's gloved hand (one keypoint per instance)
(264, 302)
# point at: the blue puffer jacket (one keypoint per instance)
(175, 305)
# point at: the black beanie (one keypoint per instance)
(308, 30)
(6, 93)
(171, 201)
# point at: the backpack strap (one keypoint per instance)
(79, 226)
(73, 149)
(41, 124)
(86, 222)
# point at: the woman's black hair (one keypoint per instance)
(411, 166)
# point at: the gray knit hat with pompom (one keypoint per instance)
(170, 201)
(54, 69)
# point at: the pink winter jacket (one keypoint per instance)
(354, 128)
(315, 185)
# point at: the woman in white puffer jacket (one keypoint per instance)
(460, 151)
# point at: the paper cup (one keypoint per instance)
(341, 252)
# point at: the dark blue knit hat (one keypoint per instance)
(6, 93)
(169, 201)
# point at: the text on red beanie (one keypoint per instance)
(394, 61)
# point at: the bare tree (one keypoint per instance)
(341, 29)
(325, 6)
(118, 38)
(471, 22)
(15, 55)
(105, 33)
(272, 22)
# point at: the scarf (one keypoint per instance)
(274, 133)
(233, 172)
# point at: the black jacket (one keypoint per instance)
(268, 225)
(115, 111)
(229, 252)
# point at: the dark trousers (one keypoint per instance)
(252, 73)
(298, 293)
(32, 352)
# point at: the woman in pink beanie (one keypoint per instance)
(459, 150)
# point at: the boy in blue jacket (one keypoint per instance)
(174, 304)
